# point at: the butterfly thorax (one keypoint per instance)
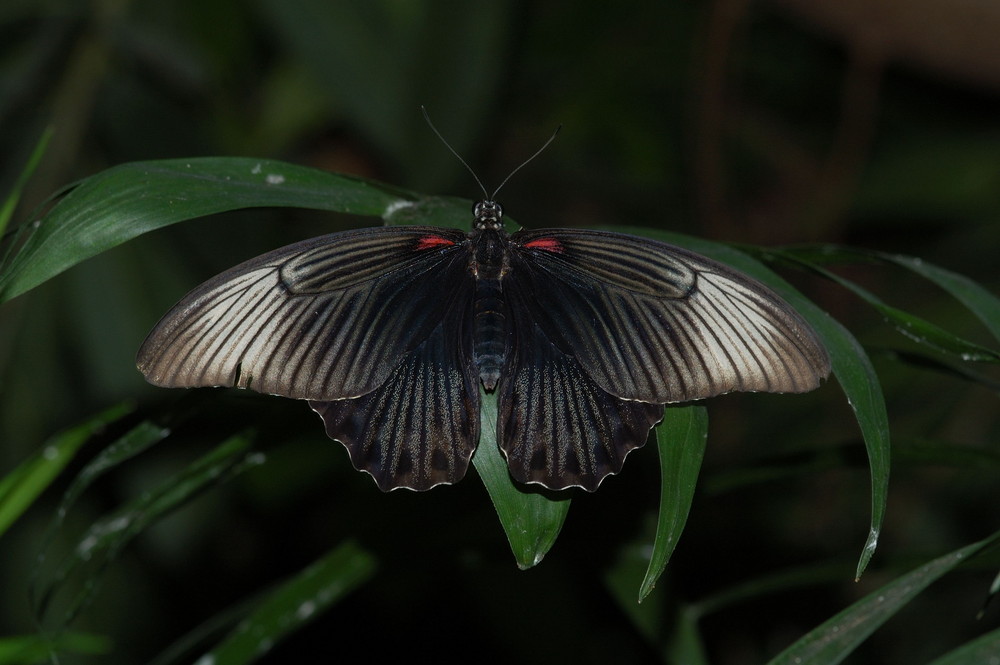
(488, 263)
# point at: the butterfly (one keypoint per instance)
(388, 333)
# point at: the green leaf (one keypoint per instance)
(983, 304)
(531, 518)
(680, 438)
(293, 604)
(20, 488)
(30, 649)
(10, 204)
(137, 440)
(850, 363)
(836, 638)
(857, 377)
(981, 651)
(108, 536)
(914, 327)
(979, 301)
(126, 201)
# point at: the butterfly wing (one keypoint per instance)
(556, 425)
(609, 327)
(357, 323)
(419, 428)
(326, 318)
(656, 323)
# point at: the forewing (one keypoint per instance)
(420, 427)
(323, 319)
(653, 322)
(556, 425)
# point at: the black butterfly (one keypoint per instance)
(388, 332)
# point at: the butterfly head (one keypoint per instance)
(488, 214)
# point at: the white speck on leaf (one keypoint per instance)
(256, 169)
(256, 459)
(305, 610)
(274, 179)
(395, 207)
(50, 452)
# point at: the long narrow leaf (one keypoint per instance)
(979, 301)
(914, 327)
(138, 439)
(30, 649)
(680, 439)
(531, 519)
(105, 539)
(126, 201)
(983, 304)
(293, 604)
(10, 203)
(20, 488)
(983, 650)
(836, 638)
(851, 366)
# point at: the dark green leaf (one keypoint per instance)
(980, 302)
(107, 537)
(983, 304)
(531, 518)
(981, 651)
(916, 328)
(30, 649)
(293, 604)
(20, 488)
(680, 439)
(850, 364)
(10, 203)
(836, 638)
(137, 440)
(126, 201)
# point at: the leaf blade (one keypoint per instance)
(532, 519)
(125, 201)
(850, 365)
(680, 439)
(293, 604)
(20, 488)
(834, 639)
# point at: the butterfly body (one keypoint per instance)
(388, 333)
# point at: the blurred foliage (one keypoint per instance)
(750, 122)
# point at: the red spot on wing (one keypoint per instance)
(433, 242)
(546, 245)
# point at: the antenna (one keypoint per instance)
(479, 182)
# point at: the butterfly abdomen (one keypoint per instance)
(489, 265)
(490, 328)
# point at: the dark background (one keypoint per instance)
(871, 123)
